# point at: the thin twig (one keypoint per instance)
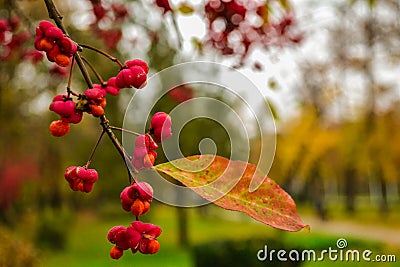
(96, 73)
(113, 59)
(69, 91)
(106, 126)
(83, 69)
(124, 130)
(94, 149)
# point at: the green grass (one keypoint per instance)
(88, 246)
(366, 213)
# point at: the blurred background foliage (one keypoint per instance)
(337, 155)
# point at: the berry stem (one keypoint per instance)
(96, 73)
(124, 130)
(84, 70)
(106, 126)
(113, 59)
(69, 91)
(70, 74)
(94, 149)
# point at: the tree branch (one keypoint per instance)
(55, 15)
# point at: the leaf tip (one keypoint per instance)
(307, 228)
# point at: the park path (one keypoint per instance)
(343, 229)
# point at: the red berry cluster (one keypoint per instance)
(144, 153)
(93, 100)
(12, 40)
(133, 74)
(59, 128)
(108, 14)
(230, 20)
(81, 178)
(160, 126)
(136, 198)
(58, 47)
(138, 236)
(66, 108)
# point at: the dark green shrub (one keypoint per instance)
(237, 253)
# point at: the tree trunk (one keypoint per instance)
(350, 189)
(183, 226)
(384, 206)
(318, 195)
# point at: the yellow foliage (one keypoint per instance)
(370, 146)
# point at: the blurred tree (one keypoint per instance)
(347, 127)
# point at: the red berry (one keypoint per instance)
(96, 110)
(97, 93)
(141, 237)
(149, 246)
(53, 33)
(62, 60)
(63, 108)
(75, 118)
(57, 46)
(52, 53)
(116, 253)
(111, 87)
(143, 153)
(67, 46)
(59, 128)
(103, 103)
(44, 45)
(124, 78)
(88, 175)
(134, 76)
(44, 24)
(161, 126)
(80, 178)
(137, 208)
(136, 198)
(138, 62)
(112, 233)
(140, 76)
(148, 160)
